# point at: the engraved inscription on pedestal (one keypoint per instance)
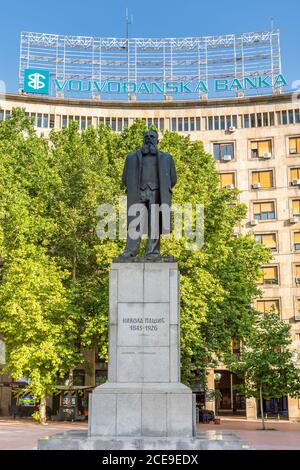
(143, 342)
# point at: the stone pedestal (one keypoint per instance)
(143, 405)
(143, 396)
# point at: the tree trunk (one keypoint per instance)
(261, 408)
(43, 416)
(74, 268)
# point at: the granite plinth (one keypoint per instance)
(143, 396)
(206, 440)
(141, 410)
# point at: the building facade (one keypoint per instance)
(255, 141)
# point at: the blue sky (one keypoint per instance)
(155, 18)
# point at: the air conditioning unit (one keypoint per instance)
(293, 151)
(294, 219)
(229, 186)
(295, 182)
(253, 222)
(267, 156)
(256, 186)
(227, 158)
(297, 280)
(232, 129)
(297, 317)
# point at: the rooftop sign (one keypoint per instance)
(77, 66)
(39, 81)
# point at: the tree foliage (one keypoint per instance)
(56, 268)
(266, 361)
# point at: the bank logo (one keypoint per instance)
(36, 81)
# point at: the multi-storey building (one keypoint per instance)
(256, 145)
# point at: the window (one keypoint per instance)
(45, 121)
(156, 123)
(298, 307)
(179, 124)
(297, 274)
(264, 210)
(64, 121)
(235, 121)
(1, 115)
(296, 241)
(224, 150)
(186, 124)
(162, 124)
(262, 179)
(267, 239)
(33, 118)
(272, 118)
(265, 306)
(83, 122)
(297, 116)
(222, 123)
(246, 121)
(227, 180)
(269, 275)
(284, 118)
(291, 116)
(252, 120)
(236, 348)
(100, 377)
(259, 120)
(295, 175)
(119, 124)
(216, 121)
(78, 377)
(260, 149)
(114, 124)
(296, 207)
(265, 119)
(278, 115)
(125, 122)
(107, 122)
(192, 124)
(150, 121)
(294, 145)
(210, 124)
(39, 120)
(89, 121)
(52, 121)
(174, 127)
(198, 124)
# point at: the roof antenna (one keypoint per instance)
(129, 22)
(272, 24)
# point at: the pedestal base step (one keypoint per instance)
(207, 440)
(141, 410)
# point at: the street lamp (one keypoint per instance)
(217, 376)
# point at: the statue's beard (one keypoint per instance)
(149, 148)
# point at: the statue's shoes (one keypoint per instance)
(152, 256)
(127, 255)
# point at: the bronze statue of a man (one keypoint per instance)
(149, 176)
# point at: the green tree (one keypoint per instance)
(36, 322)
(265, 363)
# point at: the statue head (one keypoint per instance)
(150, 142)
